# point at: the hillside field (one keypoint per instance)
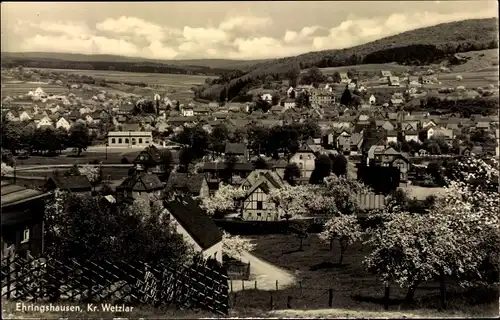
(16, 88)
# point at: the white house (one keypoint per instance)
(267, 97)
(63, 123)
(130, 139)
(372, 100)
(188, 111)
(89, 119)
(305, 160)
(411, 135)
(197, 228)
(85, 110)
(24, 116)
(45, 121)
(289, 104)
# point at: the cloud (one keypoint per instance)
(237, 37)
(245, 23)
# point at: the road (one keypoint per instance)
(265, 274)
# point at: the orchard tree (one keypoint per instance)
(343, 228)
(6, 169)
(79, 138)
(290, 201)
(322, 169)
(339, 165)
(235, 246)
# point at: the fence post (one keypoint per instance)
(255, 284)
(330, 297)
(387, 296)
(231, 284)
(242, 284)
(234, 299)
(276, 285)
(271, 304)
(289, 302)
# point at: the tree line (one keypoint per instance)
(19, 136)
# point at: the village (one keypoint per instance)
(224, 168)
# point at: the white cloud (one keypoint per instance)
(245, 23)
(238, 37)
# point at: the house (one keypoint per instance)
(195, 226)
(238, 150)
(290, 92)
(372, 100)
(321, 97)
(12, 115)
(388, 157)
(129, 139)
(396, 102)
(150, 159)
(256, 205)
(289, 104)
(63, 123)
(428, 124)
(394, 81)
(140, 185)
(193, 185)
(267, 97)
(411, 135)
(73, 184)
(440, 132)
(44, 122)
(305, 159)
(22, 218)
(25, 116)
(392, 136)
(216, 172)
(187, 111)
(385, 73)
(344, 78)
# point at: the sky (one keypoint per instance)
(224, 30)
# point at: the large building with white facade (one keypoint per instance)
(130, 139)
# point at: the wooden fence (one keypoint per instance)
(203, 285)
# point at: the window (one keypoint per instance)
(126, 140)
(120, 140)
(140, 140)
(26, 235)
(113, 140)
(300, 157)
(259, 205)
(147, 141)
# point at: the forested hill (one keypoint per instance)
(119, 63)
(416, 47)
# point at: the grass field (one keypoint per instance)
(178, 80)
(393, 67)
(354, 289)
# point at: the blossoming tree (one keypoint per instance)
(223, 201)
(235, 246)
(345, 229)
(455, 238)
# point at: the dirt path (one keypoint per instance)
(265, 274)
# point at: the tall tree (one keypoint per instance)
(346, 98)
(322, 169)
(339, 165)
(79, 138)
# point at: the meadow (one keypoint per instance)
(371, 68)
(178, 80)
(16, 88)
(353, 288)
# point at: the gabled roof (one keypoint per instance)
(218, 166)
(185, 182)
(151, 155)
(198, 225)
(235, 148)
(70, 183)
(14, 194)
(141, 182)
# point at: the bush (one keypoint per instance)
(124, 160)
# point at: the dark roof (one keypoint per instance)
(151, 155)
(279, 163)
(141, 182)
(71, 183)
(236, 148)
(271, 179)
(14, 194)
(197, 224)
(238, 166)
(185, 182)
